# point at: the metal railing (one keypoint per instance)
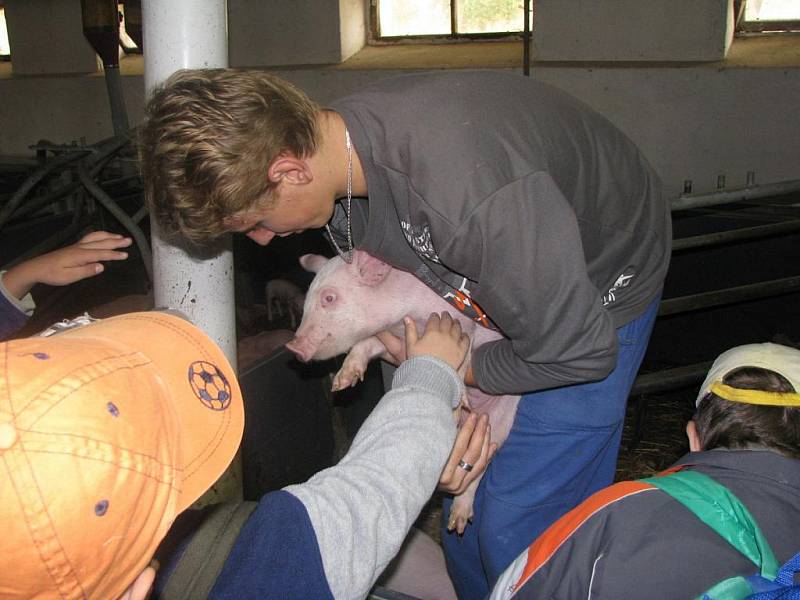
(788, 223)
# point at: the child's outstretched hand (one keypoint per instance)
(442, 338)
(67, 265)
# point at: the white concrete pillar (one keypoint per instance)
(186, 34)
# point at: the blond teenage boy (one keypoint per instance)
(520, 205)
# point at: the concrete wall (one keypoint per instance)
(692, 123)
(284, 32)
(693, 120)
(294, 32)
(46, 37)
(678, 30)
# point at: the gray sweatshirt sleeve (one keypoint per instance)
(25, 305)
(362, 508)
(535, 286)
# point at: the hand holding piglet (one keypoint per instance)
(442, 339)
(350, 307)
(396, 353)
(473, 444)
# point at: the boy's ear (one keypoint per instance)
(290, 169)
(694, 438)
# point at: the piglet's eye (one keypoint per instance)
(328, 298)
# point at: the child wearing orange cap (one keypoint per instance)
(678, 535)
(109, 431)
(59, 267)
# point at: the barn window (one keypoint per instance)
(767, 16)
(430, 19)
(5, 48)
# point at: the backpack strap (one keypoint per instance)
(720, 509)
(784, 587)
(203, 559)
(786, 576)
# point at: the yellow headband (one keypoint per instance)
(760, 397)
(783, 360)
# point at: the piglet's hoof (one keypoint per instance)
(347, 377)
(460, 514)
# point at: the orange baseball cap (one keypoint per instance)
(107, 433)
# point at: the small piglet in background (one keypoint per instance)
(284, 298)
(347, 304)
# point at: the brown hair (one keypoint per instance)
(207, 140)
(726, 424)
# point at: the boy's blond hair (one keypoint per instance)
(207, 140)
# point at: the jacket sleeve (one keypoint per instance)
(533, 283)
(569, 559)
(14, 313)
(564, 573)
(362, 508)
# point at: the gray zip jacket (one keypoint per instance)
(519, 205)
(628, 543)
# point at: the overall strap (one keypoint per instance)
(204, 557)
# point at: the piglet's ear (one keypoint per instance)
(312, 262)
(367, 269)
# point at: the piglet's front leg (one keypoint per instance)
(355, 363)
(501, 411)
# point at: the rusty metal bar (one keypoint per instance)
(136, 233)
(725, 197)
(733, 235)
(731, 295)
(49, 167)
(667, 379)
(526, 38)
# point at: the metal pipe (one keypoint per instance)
(116, 100)
(139, 214)
(183, 34)
(526, 38)
(141, 242)
(725, 197)
(729, 295)
(101, 28)
(667, 379)
(105, 148)
(57, 239)
(40, 201)
(734, 235)
(42, 172)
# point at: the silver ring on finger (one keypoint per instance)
(465, 465)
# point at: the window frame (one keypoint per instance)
(743, 27)
(375, 38)
(5, 57)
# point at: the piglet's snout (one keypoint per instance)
(300, 348)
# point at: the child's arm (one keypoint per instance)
(362, 508)
(442, 339)
(66, 265)
(396, 348)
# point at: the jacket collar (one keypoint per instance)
(761, 462)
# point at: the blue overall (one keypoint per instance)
(562, 448)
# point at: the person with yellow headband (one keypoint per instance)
(722, 523)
